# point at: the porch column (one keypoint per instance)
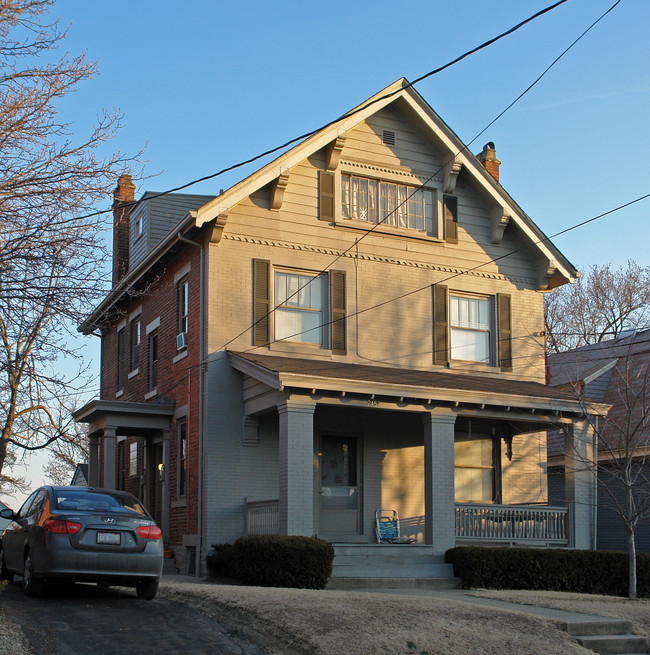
(109, 457)
(165, 474)
(439, 498)
(93, 460)
(580, 482)
(296, 475)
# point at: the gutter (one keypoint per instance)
(199, 536)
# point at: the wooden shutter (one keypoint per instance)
(337, 296)
(261, 301)
(325, 196)
(451, 218)
(504, 332)
(440, 325)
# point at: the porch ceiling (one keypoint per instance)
(318, 376)
(128, 418)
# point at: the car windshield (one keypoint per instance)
(96, 501)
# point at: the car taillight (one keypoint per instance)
(58, 526)
(149, 532)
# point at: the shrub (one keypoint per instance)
(220, 561)
(581, 571)
(281, 561)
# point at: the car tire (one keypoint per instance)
(147, 590)
(32, 586)
(5, 573)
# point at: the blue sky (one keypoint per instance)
(212, 83)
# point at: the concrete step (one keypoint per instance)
(393, 583)
(599, 627)
(403, 561)
(169, 566)
(619, 644)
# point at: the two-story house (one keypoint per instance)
(357, 325)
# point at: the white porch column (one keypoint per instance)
(439, 498)
(296, 467)
(109, 457)
(164, 492)
(580, 481)
(93, 461)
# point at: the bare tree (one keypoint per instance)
(598, 306)
(51, 250)
(623, 436)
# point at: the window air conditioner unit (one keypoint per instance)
(181, 341)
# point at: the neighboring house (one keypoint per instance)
(80, 476)
(357, 325)
(615, 372)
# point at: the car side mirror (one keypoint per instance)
(7, 513)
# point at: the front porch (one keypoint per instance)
(512, 525)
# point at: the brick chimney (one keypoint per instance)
(123, 197)
(489, 160)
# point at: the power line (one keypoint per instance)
(445, 163)
(306, 135)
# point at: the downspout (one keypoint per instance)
(199, 536)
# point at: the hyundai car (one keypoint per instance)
(82, 534)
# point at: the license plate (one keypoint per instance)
(112, 538)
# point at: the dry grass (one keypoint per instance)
(324, 622)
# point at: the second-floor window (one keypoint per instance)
(300, 307)
(471, 326)
(153, 361)
(182, 312)
(135, 343)
(397, 205)
(121, 353)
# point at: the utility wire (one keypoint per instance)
(445, 163)
(306, 135)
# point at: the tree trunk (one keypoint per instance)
(631, 553)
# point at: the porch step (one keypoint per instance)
(392, 583)
(608, 637)
(386, 561)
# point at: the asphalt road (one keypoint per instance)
(85, 619)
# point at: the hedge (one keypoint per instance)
(580, 571)
(274, 561)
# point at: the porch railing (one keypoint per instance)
(262, 517)
(512, 523)
(532, 524)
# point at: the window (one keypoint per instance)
(182, 311)
(182, 457)
(475, 471)
(133, 458)
(300, 307)
(471, 321)
(120, 358)
(135, 343)
(153, 361)
(138, 226)
(387, 203)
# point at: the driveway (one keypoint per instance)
(90, 620)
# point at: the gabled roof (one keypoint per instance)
(410, 102)
(615, 372)
(555, 268)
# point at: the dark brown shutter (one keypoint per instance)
(451, 218)
(505, 332)
(337, 295)
(261, 301)
(440, 325)
(326, 196)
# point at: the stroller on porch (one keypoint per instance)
(387, 528)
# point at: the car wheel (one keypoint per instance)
(146, 590)
(32, 586)
(5, 573)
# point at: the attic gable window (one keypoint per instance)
(387, 203)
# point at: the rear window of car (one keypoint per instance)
(96, 501)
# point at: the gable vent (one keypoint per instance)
(388, 137)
